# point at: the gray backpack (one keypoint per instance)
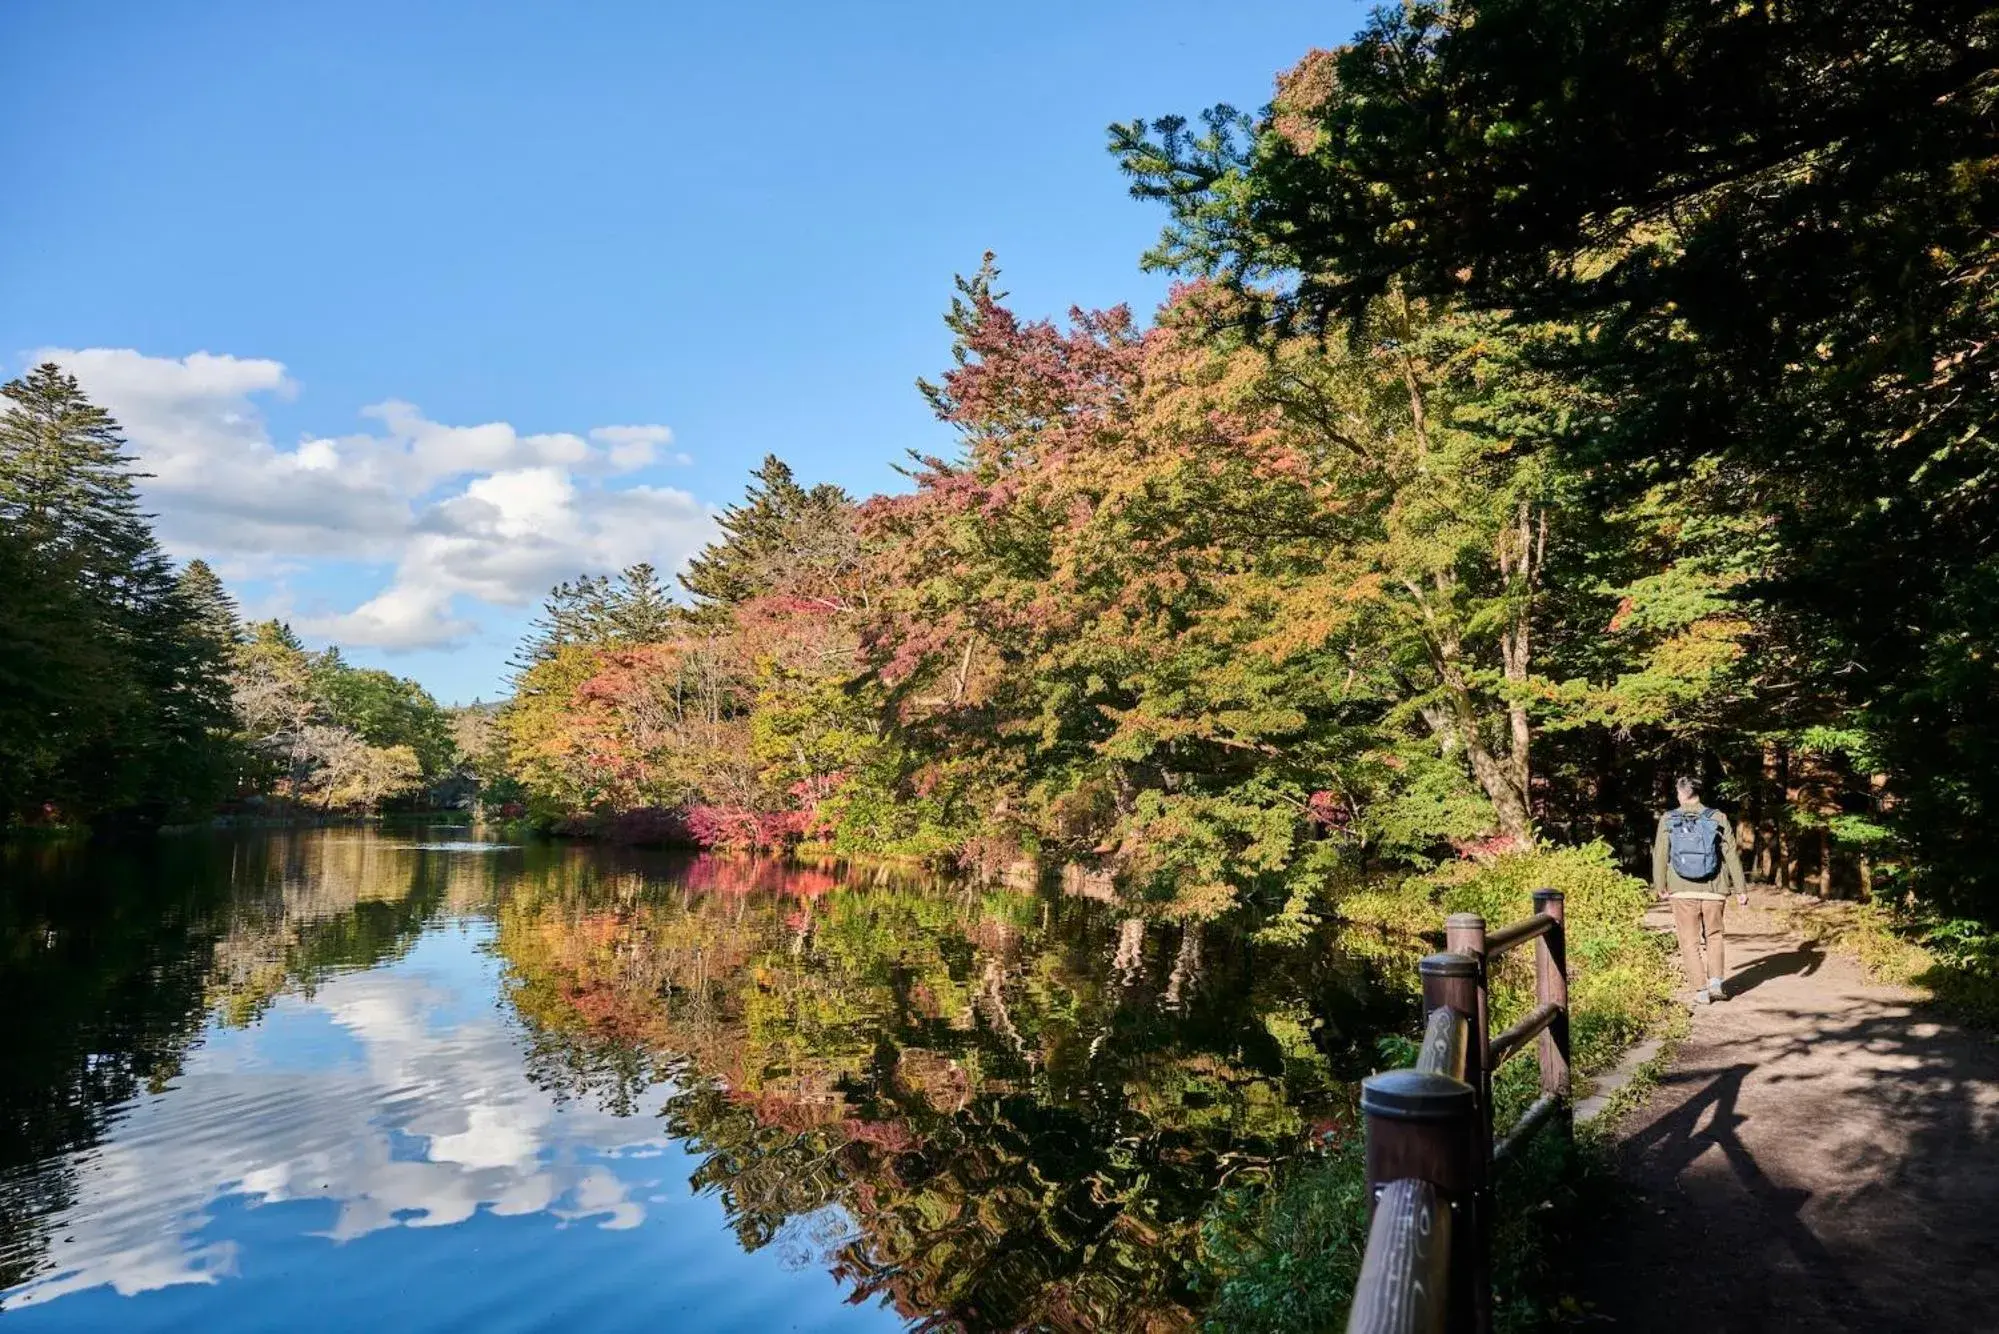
(1693, 844)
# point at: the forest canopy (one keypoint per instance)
(130, 691)
(1560, 397)
(1557, 397)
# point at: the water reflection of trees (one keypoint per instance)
(1022, 1103)
(303, 907)
(116, 959)
(991, 1109)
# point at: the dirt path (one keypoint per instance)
(1822, 1155)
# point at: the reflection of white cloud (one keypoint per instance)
(806, 1241)
(431, 1123)
(159, 1263)
(600, 1194)
(496, 1137)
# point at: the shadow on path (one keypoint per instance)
(1800, 962)
(1823, 1155)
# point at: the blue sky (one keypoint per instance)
(430, 248)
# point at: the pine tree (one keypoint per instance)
(975, 298)
(762, 537)
(184, 754)
(639, 610)
(119, 695)
(211, 606)
(574, 613)
(66, 483)
(49, 655)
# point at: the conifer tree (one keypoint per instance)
(762, 535)
(118, 699)
(66, 483)
(575, 612)
(214, 611)
(639, 611)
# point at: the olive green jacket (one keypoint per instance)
(1727, 881)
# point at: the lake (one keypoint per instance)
(406, 1079)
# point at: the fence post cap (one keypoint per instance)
(1415, 1095)
(1543, 895)
(1448, 965)
(1458, 919)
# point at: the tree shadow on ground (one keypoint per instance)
(1810, 1172)
(1800, 962)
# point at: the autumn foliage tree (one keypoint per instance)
(1203, 601)
(1213, 616)
(1772, 227)
(734, 714)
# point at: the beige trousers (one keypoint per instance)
(1697, 922)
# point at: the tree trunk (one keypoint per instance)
(1780, 820)
(1516, 644)
(1457, 733)
(1505, 784)
(1130, 954)
(1607, 796)
(1762, 865)
(1501, 776)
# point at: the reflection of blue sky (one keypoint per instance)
(375, 1156)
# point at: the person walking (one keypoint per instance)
(1695, 864)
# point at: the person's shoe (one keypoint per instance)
(1715, 990)
(1700, 997)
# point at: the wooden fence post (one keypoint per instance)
(1451, 980)
(1464, 933)
(1551, 987)
(1457, 981)
(1421, 1127)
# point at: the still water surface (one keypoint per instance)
(341, 1079)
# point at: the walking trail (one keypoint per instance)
(1821, 1154)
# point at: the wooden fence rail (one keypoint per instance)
(1430, 1146)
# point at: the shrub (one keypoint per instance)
(1287, 1259)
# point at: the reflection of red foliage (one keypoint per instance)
(605, 1010)
(894, 1136)
(793, 1112)
(723, 874)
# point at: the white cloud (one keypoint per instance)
(636, 446)
(482, 513)
(400, 616)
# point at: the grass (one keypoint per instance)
(1286, 1258)
(1953, 962)
(1639, 1085)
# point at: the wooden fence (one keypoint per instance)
(1431, 1154)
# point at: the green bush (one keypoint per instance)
(1286, 1259)
(1287, 1256)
